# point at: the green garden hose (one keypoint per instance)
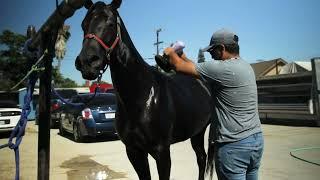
(304, 149)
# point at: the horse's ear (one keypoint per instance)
(88, 4)
(115, 4)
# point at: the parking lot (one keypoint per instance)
(105, 158)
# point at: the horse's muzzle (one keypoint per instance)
(87, 72)
(77, 63)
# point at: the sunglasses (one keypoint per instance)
(214, 47)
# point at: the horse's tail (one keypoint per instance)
(210, 160)
(210, 156)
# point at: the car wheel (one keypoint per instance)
(77, 134)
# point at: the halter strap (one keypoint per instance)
(100, 41)
(107, 48)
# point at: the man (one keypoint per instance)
(236, 125)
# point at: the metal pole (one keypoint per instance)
(45, 38)
(158, 42)
(315, 63)
(44, 106)
(44, 121)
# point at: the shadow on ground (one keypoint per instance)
(102, 138)
(289, 122)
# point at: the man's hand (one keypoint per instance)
(169, 51)
(184, 57)
(181, 64)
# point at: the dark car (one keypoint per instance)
(56, 105)
(94, 118)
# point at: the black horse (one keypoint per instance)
(154, 110)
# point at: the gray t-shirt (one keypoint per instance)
(234, 89)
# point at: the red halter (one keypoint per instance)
(100, 41)
(107, 48)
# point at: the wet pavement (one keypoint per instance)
(84, 168)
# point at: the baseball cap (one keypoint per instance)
(222, 36)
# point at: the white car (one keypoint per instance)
(9, 116)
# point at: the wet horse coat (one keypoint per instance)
(154, 110)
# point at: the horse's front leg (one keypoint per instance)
(163, 160)
(139, 161)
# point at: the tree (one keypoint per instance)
(12, 62)
(60, 81)
(14, 65)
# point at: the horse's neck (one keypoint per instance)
(131, 75)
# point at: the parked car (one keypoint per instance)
(9, 115)
(112, 90)
(94, 118)
(56, 105)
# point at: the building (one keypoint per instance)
(268, 68)
(288, 93)
(296, 67)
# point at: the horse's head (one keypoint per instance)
(101, 36)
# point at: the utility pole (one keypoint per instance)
(201, 57)
(158, 42)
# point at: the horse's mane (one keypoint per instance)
(127, 40)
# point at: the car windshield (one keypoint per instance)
(64, 93)
(99, 99)
(8, 104)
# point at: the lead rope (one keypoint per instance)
(19, 130)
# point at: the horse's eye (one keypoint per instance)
(110, 23)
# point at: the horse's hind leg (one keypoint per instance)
(163, 160)
(197, 143)
(139, 161)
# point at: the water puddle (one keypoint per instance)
(84, 168)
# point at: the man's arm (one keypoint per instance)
(181, 64)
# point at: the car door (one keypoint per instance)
(64, 117)
(68, 112)
(74, 111)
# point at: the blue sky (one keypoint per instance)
(267, 29)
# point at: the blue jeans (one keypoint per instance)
(239, 160)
